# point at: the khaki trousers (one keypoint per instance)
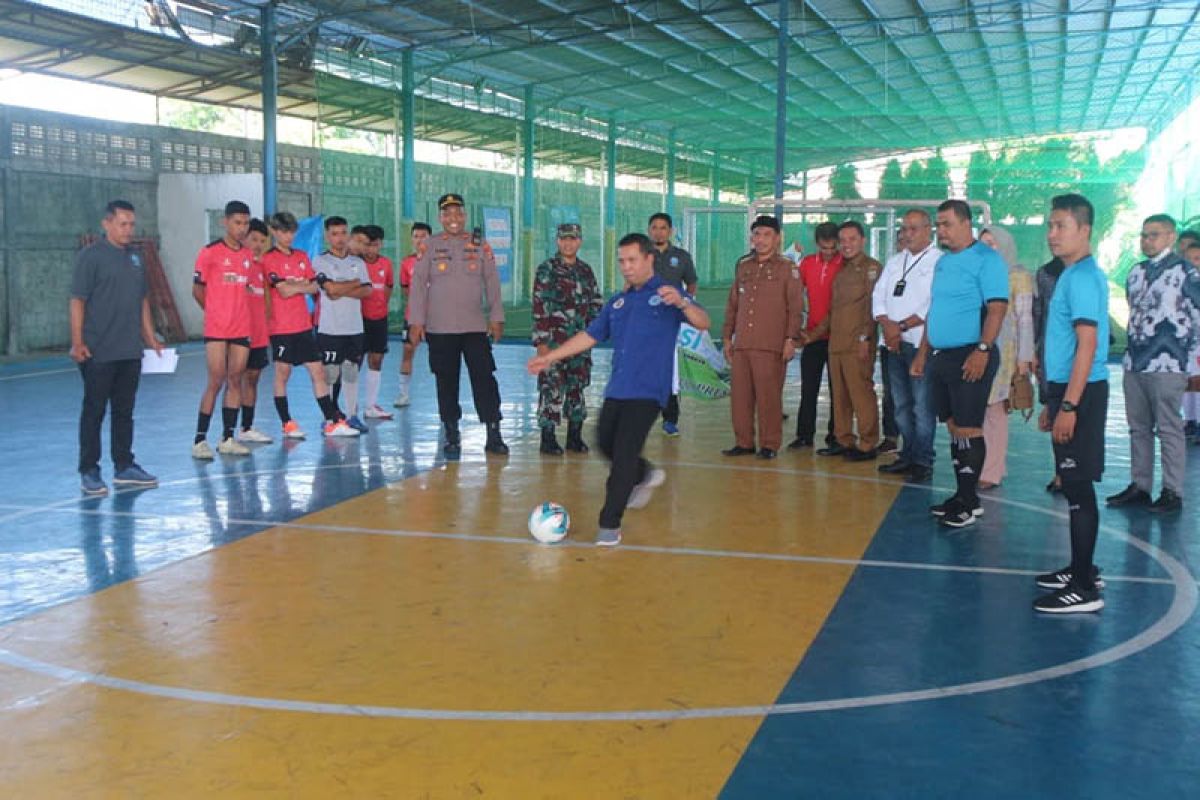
(854, 396)
(757, 388)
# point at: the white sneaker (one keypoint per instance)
(254, 437)
(202, 451)
(377, 412)
(232, 447)
(339, 428)
(401, 401)
(645, 490)
(291, 430)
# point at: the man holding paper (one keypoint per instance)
(110, 323)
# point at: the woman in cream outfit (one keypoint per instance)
(1016, 354)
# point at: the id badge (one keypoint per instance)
(898, 291)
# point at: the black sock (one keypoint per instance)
(968, 456)
(1085, 523)
(328, 408)
(336, 391)
(281, 407)
(247, 417)
(202, 423)
(229, 421)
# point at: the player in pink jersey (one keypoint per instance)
(259, 242)
(292, 279)
(420, 235)
(220, 288)
(375, 316)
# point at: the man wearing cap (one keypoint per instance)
(456, 269)
(762, 322)
(565, 301)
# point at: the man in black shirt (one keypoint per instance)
(110, 323)
(674, 265)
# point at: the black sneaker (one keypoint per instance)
(919, 474)
(941, 509)
(1131, 495)
(897, 467)
(854, 454)
(767, 453)
(1060, 579)
(833, 450)
(960, 516)
(1167, 503)
(1070, 600)
(799, 443)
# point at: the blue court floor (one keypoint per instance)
(929, 677)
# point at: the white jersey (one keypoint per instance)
(343, 316)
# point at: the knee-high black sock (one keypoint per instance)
(229, 421)
(968, 456)
(247, 417)
(281, 408)
(202, 423)
(1085, 523)
(328, 408)
(336, 391)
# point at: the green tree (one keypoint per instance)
(891, 182)
(937, 178)
(914, 180)
(843, 183)
(981, 172)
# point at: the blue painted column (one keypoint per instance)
(671, 173)
(270, 107)
(781, 94)
(408, 113)
(610, 204)
(528, 187)
(714, 227)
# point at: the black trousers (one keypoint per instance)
(108, 383)
(447, 351)
(620, 435)
(670, 412)
(890, 429)
(814, 358)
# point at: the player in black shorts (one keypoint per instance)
(259, 241)
(1076, 399)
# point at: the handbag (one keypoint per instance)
(1020, 396)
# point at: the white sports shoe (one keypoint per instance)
(254, 437)
(401, 401)
(202, 451)
(376, 412)
(339, 428)
(232, 447)
(645, 490)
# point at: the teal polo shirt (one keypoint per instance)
(963, 284)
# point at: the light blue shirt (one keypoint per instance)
(963, 284)
(1080, 298)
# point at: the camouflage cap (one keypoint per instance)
(447, 200)
(570, 229)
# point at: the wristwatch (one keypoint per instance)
(983, 347)
(903, 325)
(1067, 407)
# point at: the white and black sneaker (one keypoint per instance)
(1060, 579)
(1070, 600)
(960, 515)
(941, 509)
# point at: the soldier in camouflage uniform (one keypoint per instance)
(565, 301)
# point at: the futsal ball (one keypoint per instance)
(549, 523)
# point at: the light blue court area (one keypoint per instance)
(930, 677)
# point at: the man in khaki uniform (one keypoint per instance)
(851, 327)
(762, 323)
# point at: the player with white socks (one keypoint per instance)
(344, 284)
(375, 316)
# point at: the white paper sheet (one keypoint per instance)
(155, 364)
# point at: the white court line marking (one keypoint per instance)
(1183, 605)
(74, 369)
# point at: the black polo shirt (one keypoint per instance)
(674, 265)
(111, 281)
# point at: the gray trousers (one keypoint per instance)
(1152, 401)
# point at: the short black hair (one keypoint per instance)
(1190, 234)
(1194, 246)
(1079, 207)
(236, 207)
(420, 226)
(331, 222)
(665, 217)
(374, 233)
(359, 229)
(283, 221)
(257, 225)
(855, 224)
(639, 239)
(114, 206)
(826, 232)
(1162, 219)
(960, 208)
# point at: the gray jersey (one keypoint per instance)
(343, 316)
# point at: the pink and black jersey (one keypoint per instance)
(257, 286)
(375, 306)
(225, 275)
(288, 314)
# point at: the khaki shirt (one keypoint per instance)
(765, 304)
(850, 308)
(451, 280)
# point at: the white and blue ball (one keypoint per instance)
(549, 523)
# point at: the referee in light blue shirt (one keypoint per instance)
(967, 307)
(642, 322)
(1076, 398)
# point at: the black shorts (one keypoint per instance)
(240, 341)
(258, 358)
(375, 335)
(1082, 458)
(954, 398)
(294, 348)
(340, 349)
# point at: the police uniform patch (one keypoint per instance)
(442, 267)
(655, 300)
(620, 301)
(674, 261)
(872, 273)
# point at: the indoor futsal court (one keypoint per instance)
(362, 619)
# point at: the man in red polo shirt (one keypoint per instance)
(221, 287)
(420, 233)
(817, 272)
(375, 316)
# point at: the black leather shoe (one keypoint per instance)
(1131, 496)
(550, 444)
(799, 443)
(888, 445)
(918, 474)
(1167, 503)
(575, 441)
(1054, 487)
(896, 467)
(453, 446)
(832, 450)
(494, 443)
(862, 455)
(738, 450)
(767, 453)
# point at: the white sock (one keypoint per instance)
(404, 379)
(350, 396)
(374, 378)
